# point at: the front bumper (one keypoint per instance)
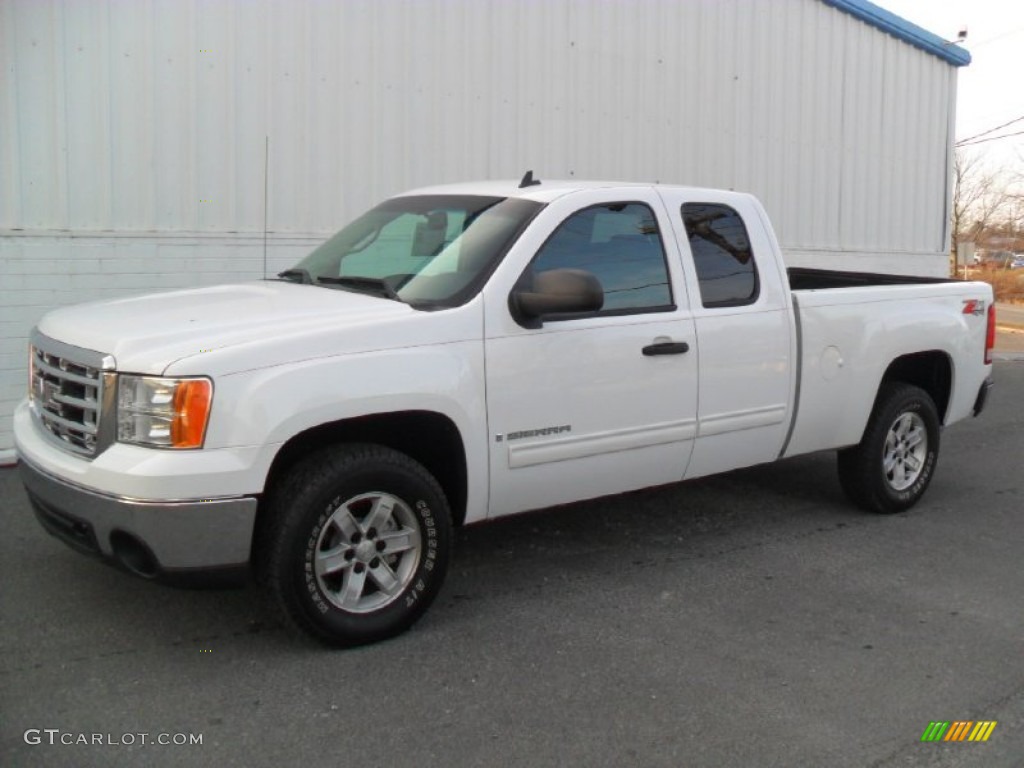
(175, 541)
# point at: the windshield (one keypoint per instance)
(429, 251)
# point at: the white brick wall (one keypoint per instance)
(40, 272)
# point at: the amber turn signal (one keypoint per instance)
(191, 411)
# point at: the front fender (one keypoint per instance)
(268, 406)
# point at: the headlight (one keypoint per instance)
(166, 413)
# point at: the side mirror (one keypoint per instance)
(558, 291)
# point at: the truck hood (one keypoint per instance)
(146, 334)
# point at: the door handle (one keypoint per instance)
(666, 348)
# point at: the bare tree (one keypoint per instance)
(983, 199)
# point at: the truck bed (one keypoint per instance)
(847, 339)
(806, 279)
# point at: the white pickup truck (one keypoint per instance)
(465, 352)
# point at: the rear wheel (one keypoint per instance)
(357, 544)
(892, 466)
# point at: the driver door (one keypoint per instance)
(586, 405)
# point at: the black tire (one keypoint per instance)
(881, 473)
(382, 581)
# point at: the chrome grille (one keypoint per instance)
(66, 394)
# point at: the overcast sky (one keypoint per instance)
(991, 87)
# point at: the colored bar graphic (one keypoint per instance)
(982, 730)
(935, 730)
(958, 730)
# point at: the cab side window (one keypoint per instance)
(721, 254)
(620, 245)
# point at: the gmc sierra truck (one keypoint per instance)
(466, 352)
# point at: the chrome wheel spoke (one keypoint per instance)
(352, 587)
(915, 437)
(332, 561)
(380, 513)
(902, 473)
(344, 522)
(399, 541)
(385, 578)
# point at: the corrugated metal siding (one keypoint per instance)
(148, 118)
(151, 116)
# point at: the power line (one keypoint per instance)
(990, 130)
(1000, 36)
(991, 138)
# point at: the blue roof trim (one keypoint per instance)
(903, 29)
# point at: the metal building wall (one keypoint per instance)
(132, 132)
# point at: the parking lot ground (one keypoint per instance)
(749, 619)
(1010, 315)
(1009, 343)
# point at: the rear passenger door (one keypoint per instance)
(590, 404)
(743, 324)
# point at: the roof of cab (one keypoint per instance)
(545, 191)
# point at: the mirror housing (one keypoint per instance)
(558, 292)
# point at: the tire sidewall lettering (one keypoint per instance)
(915, 490)
(320, 603)
(428, 532)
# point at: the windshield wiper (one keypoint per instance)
(366, 284)
(304, 277)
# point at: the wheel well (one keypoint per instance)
(931, 371)
(430, 438)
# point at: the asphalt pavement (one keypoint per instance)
(750, 619)
(1010, 315)
(1009, 343)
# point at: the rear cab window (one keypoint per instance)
(722, 255)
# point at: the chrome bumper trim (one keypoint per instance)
(187, 534)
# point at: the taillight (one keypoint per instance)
(990, 333)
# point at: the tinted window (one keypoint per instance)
(620, 245)
(722, 255)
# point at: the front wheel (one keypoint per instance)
(357, 544)
(891, 467)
